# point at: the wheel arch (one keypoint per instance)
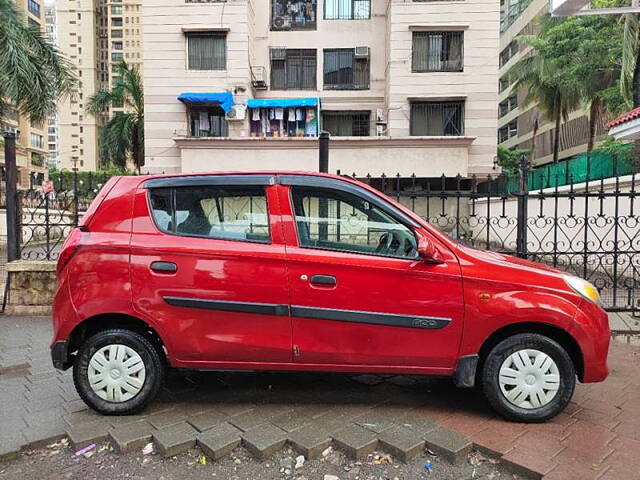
(553, 332)
(105, 321)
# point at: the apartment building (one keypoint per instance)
(403, 86)
(516, 123)
(31, 146)
(52, 122)
(95, 35)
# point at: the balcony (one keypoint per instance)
(259, 78)
(293, 14)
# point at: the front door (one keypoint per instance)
(208, 265)
(360, 294)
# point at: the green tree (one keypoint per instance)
(630, 73)
(122, 137)
(579, 58)
(33, 74)
(509, 158)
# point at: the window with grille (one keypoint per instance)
(507, 105)
(207, 122)
(437, 51)
(293, 69)
(437, 118)
(343, 70)
(508, 131)
(347, 124)
(508, 52)
(347, 9)
(206, 51)
(293, 14)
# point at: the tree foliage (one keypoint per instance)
(509, 158)
(33, 73)
(122, 137)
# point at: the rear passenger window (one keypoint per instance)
(226, 213)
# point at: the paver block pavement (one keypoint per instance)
(175, 439)
(401, 442)
(419, 424)
(291, 421)
(310, 440)
(248, 420)
(264, 440)
(132, 436)
(87, 433)
(219, 440)
(167, 418)
(449, 444)
(207, 420)
(356, 441)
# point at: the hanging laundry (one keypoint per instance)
(299, 114)
(255, 115)
(292, 115)
(279, 113)
(204, 121)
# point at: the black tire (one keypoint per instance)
(491, 374)
(153, 364)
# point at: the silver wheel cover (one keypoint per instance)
(116, 373)
(529, 379)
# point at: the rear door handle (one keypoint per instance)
(164, 267)
(324, 280)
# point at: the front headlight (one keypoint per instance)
(584, 288)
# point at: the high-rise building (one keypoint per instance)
(403, 86)
(516, 123)
(52, 122)
(95, 35)
(31, 144)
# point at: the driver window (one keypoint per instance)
(335, 220)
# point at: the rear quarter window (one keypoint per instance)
(223, 213)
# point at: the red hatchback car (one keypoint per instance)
(300, 271)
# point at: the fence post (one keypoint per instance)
(75, 197)
(11, 175)
(523, 200)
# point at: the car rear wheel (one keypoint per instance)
(528, 378)
(118, 372)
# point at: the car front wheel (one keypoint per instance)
(118, 372)
(528, 378)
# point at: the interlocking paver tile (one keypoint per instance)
(310, 440)
(380, 419)
(219, 440)
(401, 442)
(250, 419)
(528, 462)
(88, 433)
(264, 440)
(356, 441)
(175, 439)
(167, 418)
(207, 420)
(291, 421)
(132, 436)
(451, 445)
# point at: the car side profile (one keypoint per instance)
(301, 271)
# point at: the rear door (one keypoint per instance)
(360, 294)
(208, 264)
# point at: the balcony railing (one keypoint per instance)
(293, 14)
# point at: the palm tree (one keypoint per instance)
(535, 75)
(630, 73)
(33, 73)
(122, 137)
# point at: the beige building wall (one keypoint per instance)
(31, 138)
(387, 33)
(77, 130)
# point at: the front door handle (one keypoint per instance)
(164, 267)
(324, 280)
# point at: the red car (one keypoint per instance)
(301, 271)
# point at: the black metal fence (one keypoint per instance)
(590, 229)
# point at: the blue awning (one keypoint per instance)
(282, 102)
(224, 99)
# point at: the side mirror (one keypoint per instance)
(428, 251)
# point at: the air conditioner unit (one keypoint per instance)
(361, 52)
(237, 112)
(278, 53)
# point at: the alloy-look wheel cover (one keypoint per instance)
(116, 373)
(529, 379)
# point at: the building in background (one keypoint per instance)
(31, 144)
(516, 123)
(95, 35)
(403, 86)
(51, 35)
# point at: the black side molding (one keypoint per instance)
(243, 307)
(390, 319)
(465, 374)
